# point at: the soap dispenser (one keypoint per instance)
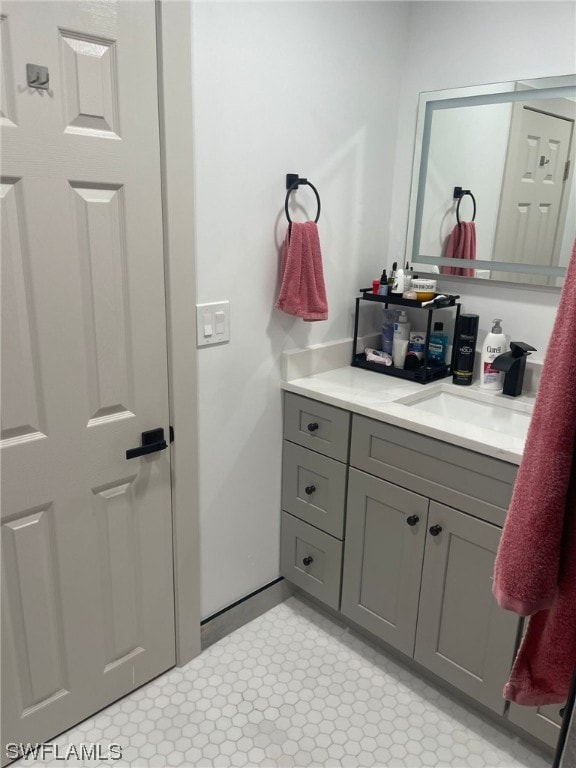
(494, 345)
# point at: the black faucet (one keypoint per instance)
(513, 363)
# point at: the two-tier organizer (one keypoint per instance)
(425, 372)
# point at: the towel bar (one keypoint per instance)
(293, 181)
(459, 193)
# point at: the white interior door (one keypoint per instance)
(86, 533)
(531, 211)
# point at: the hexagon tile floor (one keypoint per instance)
(294, 688)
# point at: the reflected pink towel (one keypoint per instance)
(302, 292)
(461, 244)
(535, 570)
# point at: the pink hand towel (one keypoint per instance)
(302, 292)
(461, 244)
(535, 570)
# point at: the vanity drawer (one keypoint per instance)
(472, 482)
(318, 426)
(314, 488)
(311, 559)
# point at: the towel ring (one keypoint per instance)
(294, 186)
(463, 193)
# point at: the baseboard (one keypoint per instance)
(233, 617)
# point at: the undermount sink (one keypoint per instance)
(480, 409)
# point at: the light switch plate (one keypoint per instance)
(212, 323)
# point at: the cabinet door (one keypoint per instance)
(463, 636)
(385, 534)
(542, 722)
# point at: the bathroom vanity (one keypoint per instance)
(392, 516)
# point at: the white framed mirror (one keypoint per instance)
(510, 148)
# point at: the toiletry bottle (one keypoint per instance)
(388, 320)
(465, 349)
(408, 277)
(375, 286)
(392, 276)
(437, 345)
(402, 327)
(383, 287)
(494, 345)
(399, 282)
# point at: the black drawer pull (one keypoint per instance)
(308, 561)
(412, 520)
(312, 427)
(561, 712)
(435, 530)
(309, 490)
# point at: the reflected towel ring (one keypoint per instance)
(460, 193)
(294, 185)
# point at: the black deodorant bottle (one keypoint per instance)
(465, 343)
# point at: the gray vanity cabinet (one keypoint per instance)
(314, 477)
(463, 636)
(385, 535)
(399, 531)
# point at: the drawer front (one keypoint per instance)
(472, 482)
(314, 488)
(311, 559)
(317, 426)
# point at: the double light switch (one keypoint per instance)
(213, 323)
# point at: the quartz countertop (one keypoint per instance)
(376, 395)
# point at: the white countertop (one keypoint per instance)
(375, 395)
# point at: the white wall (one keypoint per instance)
(314, 88)
(454, 44)
(283, 87)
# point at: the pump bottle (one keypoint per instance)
(494, 345)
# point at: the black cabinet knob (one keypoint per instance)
(412, 520)
(309, 489)
(312, 427)
(435, 530)
(561, 712)
(308, 561)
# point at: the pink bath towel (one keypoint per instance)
(302, 292)
(461, 244)
(535, 570)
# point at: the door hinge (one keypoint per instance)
(566, 170)
(171, 432)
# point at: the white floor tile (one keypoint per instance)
(294, 688)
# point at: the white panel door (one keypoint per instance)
(86, 534)
(531, 211)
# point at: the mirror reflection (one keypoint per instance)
(494, 191)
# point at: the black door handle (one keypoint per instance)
(152, 441)
(435, 530)
(412, 520)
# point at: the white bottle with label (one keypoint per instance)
(494, 344)
(402, 327)
(401, 339)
